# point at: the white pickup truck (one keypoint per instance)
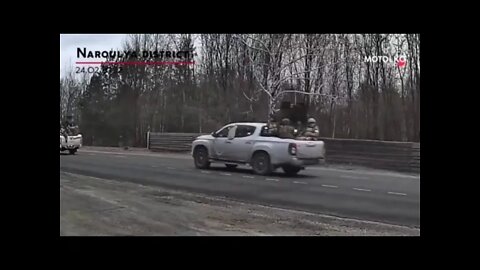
(72, 144)
(251, 144)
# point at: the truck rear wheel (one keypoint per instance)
(72, 151)
(261, 163)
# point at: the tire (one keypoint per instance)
(291, 171)
(261, 163)
(72, 151)
(200, 157)
(231, 166)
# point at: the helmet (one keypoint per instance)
(285, 121)
(311, 120)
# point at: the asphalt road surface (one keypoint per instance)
(362, 194)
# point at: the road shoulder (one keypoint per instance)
(94, 206)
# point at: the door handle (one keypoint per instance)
(228, 142)
(248, 143)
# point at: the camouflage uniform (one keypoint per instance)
(312, 129)
(69, 128)
(286, 130)
(273, 127)
(299, 129)
(63, 133)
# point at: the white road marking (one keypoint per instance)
(329, 186)
(146, 154)
(120, 156)
(247, 176)
(298, 182)
(271, 179)
(92, 154)
(154, 166)
(353, 177)
(226, 174)
(366, 172)
(170, 168)
(204, 172)
(361, 189)
(396, 193)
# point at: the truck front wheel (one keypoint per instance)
(72, 151)
(200, 156)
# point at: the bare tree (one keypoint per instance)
(71, 88)
(245, 76)
(273, 68)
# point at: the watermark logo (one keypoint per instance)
(399, 61)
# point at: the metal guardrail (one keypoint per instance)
(397, 156)
(172, 142)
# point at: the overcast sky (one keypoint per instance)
(93, 42)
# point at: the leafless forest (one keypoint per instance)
(244, 77)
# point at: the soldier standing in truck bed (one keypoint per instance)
(312, 129)
(286, 130)
(70, 127)
(299, 129)
(273, 126)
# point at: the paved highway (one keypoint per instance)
(361, 194)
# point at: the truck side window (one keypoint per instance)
(265, 132)
(224, 132)
(244, 131)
